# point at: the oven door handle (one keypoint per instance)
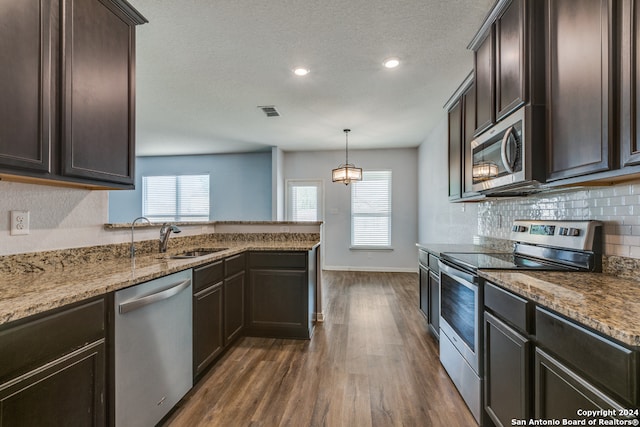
(463, 278)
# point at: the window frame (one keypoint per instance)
(388, 246)
(318, 183)
(178, 198)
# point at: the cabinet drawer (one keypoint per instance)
(508, 306)
(278, 260)
(234, 264)
(433, 264)
(208, 275)
(607, 363)
(33, 343)
(423, 257)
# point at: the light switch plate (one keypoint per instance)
(19, 223)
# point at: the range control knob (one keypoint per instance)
(573, 232)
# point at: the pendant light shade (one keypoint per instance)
(346, 172)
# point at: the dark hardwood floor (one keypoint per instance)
(371, 363)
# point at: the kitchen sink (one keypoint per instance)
(194, 253)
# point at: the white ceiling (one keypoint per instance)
(203, 67)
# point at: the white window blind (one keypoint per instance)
(371, 210)
(304, 200)
(176, 197)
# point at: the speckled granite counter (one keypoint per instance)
(608, 304)
(438, 248)
(40, 284)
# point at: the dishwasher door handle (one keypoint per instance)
(137, 303)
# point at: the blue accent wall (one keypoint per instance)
(240, 185)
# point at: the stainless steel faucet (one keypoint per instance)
(165, 232)
(133, 224)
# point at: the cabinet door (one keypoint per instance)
(434, 303)
(455, 155)
(98, 88)
(70, 391)
(560, 392)
(629, 87)
(233, 306)
(468, 129)
(424, 292)
(579, 124)
(507, 372)
(207, 327)
(25, 84)
(278, 303)
(484, 83)
(511, 88)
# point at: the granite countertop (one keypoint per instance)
(606, 303)
(24, 294)
(438, 248)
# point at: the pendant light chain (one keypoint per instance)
(346, 135)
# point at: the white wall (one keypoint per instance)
(317, 165)
(59, 217)
(439, 220)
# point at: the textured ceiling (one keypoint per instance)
(203, 67)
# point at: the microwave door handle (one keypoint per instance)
(503, 150)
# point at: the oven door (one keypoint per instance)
(460, 312)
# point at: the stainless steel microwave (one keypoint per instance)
(504, 159)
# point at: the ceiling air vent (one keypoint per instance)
(269, 110)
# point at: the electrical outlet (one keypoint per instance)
(19, 222)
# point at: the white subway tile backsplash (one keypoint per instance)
(617, 206)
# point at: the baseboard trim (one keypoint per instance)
(319, 317)
(372, 269)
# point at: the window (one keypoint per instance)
(176, 198)
(371, 210)
(304, 200)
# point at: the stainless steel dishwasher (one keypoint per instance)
(153, 348)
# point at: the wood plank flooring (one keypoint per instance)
(371, 363)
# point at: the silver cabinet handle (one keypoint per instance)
(134, 304)
(503, 150)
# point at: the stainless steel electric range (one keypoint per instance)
(540, 245)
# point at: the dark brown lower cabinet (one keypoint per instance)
(424, 291)
(561, 392)
(434, 304)
(507, 372)
(52, 368)
(281, 294)
(68, 391)
(233, 306)
(208, 340)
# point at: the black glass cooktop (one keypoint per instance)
(498, 261)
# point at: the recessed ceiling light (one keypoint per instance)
(301, 71)
(391, 62)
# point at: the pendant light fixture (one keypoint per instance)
(346, 172)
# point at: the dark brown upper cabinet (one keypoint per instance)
(484, 83)
(629, 61)
(25, 84)
(455, 156)
(461, 126)
(509, 64)
(511, 59)
(468, 128)
(579, 87)
(68, 92)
